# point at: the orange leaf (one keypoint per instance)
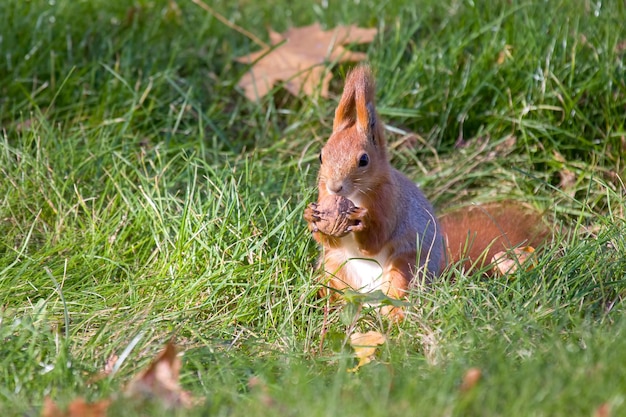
(470, 379)
(297, 57)
(604, 410)
(507, 262)
(365, 345)
(160, 381)
(108, 369)
(504, 54)
(77, 408)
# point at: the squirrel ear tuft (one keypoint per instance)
(364, 103)
(371, 116)
(345, 112)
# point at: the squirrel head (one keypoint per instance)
(354, 160)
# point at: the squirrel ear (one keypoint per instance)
(366, 117)
(366, 120)
(345, 112)
(357, 102)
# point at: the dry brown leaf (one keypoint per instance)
(365, 345)
(568, 178)
(504, 54)
(110, 364)
(258, 386)
(506, 146)
(106, 371)
(299, 59)
(24, 125)
(157, 382)
(160, 381)
(558, 157)
(470, 379)
(507, 262)
(604, 410)
(77, 408)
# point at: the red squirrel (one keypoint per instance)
(395, 233)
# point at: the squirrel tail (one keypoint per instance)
(474, 234)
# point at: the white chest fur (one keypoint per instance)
(365, 273)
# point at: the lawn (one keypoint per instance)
(144, 198)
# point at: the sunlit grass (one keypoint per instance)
(144, 198)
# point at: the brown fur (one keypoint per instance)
(393, 221)
(474, 234)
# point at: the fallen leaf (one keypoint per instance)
(504, 54)
(160, 381)
(507, 262)
(470, 379)
(365, 345)
(110, 364)
(106, 371)
(258, 386)
(50, 409)
(568, 180)
(297, 57)
(506, 146)
(77, 408)
(604, 410)
(24, 125)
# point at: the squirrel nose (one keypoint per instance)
(334, 187)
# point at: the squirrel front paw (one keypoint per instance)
(356, 215)
(335, 216)
(312, 216)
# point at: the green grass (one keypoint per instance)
(143, 197)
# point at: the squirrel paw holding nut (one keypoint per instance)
(335, 216)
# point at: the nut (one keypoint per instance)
(334, 211)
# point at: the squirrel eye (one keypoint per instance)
(320, 157)
(364, 160)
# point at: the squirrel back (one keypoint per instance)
(394, 235)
